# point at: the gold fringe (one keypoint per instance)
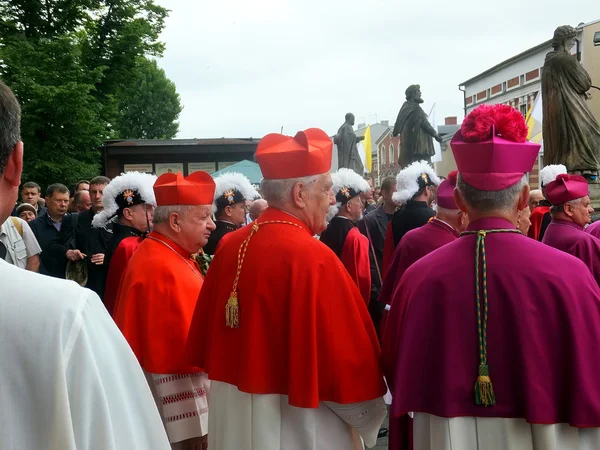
(484, 390)
(232, 311)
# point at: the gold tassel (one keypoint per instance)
(484, 391)
(232, 311)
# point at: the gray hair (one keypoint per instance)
(488, 201)
(10, 124)
(162, 213)
(278, 191)
(561, 208)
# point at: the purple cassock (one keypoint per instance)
(572, 239)
(414, 245)
(541, 332)
(594, 229)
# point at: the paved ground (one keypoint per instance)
(382, 444)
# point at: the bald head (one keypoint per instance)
(257, 208)
(535, 197)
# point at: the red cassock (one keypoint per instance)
(572, 239)
(536, 218)
(535, 330)
(346, 241)
(388, 250)
(304, 329)
(116, 270)
(155, 304)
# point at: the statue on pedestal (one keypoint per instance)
(346, 141)
(571, 133)
(416, 133)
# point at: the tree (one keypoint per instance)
(149, 109)
(69, 62)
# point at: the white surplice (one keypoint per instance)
(243, 421)
(182, 400)
(478, 433)
(68, 379)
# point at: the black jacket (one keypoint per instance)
(412, 215)
(215, 237)
(80, 235)
(51, 263)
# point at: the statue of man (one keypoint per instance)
(571, 133)
(346, 141)
(416, 133)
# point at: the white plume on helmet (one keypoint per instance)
(237, 182)
(407, 184)
(549, 173)
(349, 179)
(143, 183)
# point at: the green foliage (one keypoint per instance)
(149, 109)
(76, 67)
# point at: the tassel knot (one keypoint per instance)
(232, 311)
(484, 391)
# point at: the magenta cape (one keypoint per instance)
(572, 239)
(542, 333)
(414, 245)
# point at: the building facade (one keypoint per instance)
(175, 155)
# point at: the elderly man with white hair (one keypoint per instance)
(280, 327)
(342, 235)
(156, 302)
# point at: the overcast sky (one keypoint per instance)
(245, 68)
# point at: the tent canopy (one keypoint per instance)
(248, 168)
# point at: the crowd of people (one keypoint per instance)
(206, 313)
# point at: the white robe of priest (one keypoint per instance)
(243, 421)
(478, 433)
(68, 379)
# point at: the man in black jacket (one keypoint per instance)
(79, 240)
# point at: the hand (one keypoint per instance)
(360, 138)
(197, 443)
(98, 259)
(75, 255)
(438, 138)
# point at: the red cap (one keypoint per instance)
(566, 188)
(173, 189)
(445, 192)
(487, 161)
(308, 153)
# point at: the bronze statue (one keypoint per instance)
(346, 141)
(416, 133)
(571, 133)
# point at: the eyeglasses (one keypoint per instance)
(2, 251)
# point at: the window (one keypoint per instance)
(391, 158)
(523, 109)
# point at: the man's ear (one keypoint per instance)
(14, 166)
(127, 214)
(460, 202)
(524, 198)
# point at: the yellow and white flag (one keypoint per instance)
(368, 150)
(534, 120)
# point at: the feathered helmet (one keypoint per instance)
(412, 179)
(127, 190)
(549, 173)
(232, 188)
(347, 184)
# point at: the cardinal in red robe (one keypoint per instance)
(129, 204)
(342, 235)
(156, 301)
(480, 331)
(571, 212)
(280, 326)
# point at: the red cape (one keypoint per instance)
(155, 305)
(118, 265)
(539, 340)
(537, 215)
(355, 257)
(304, 329)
